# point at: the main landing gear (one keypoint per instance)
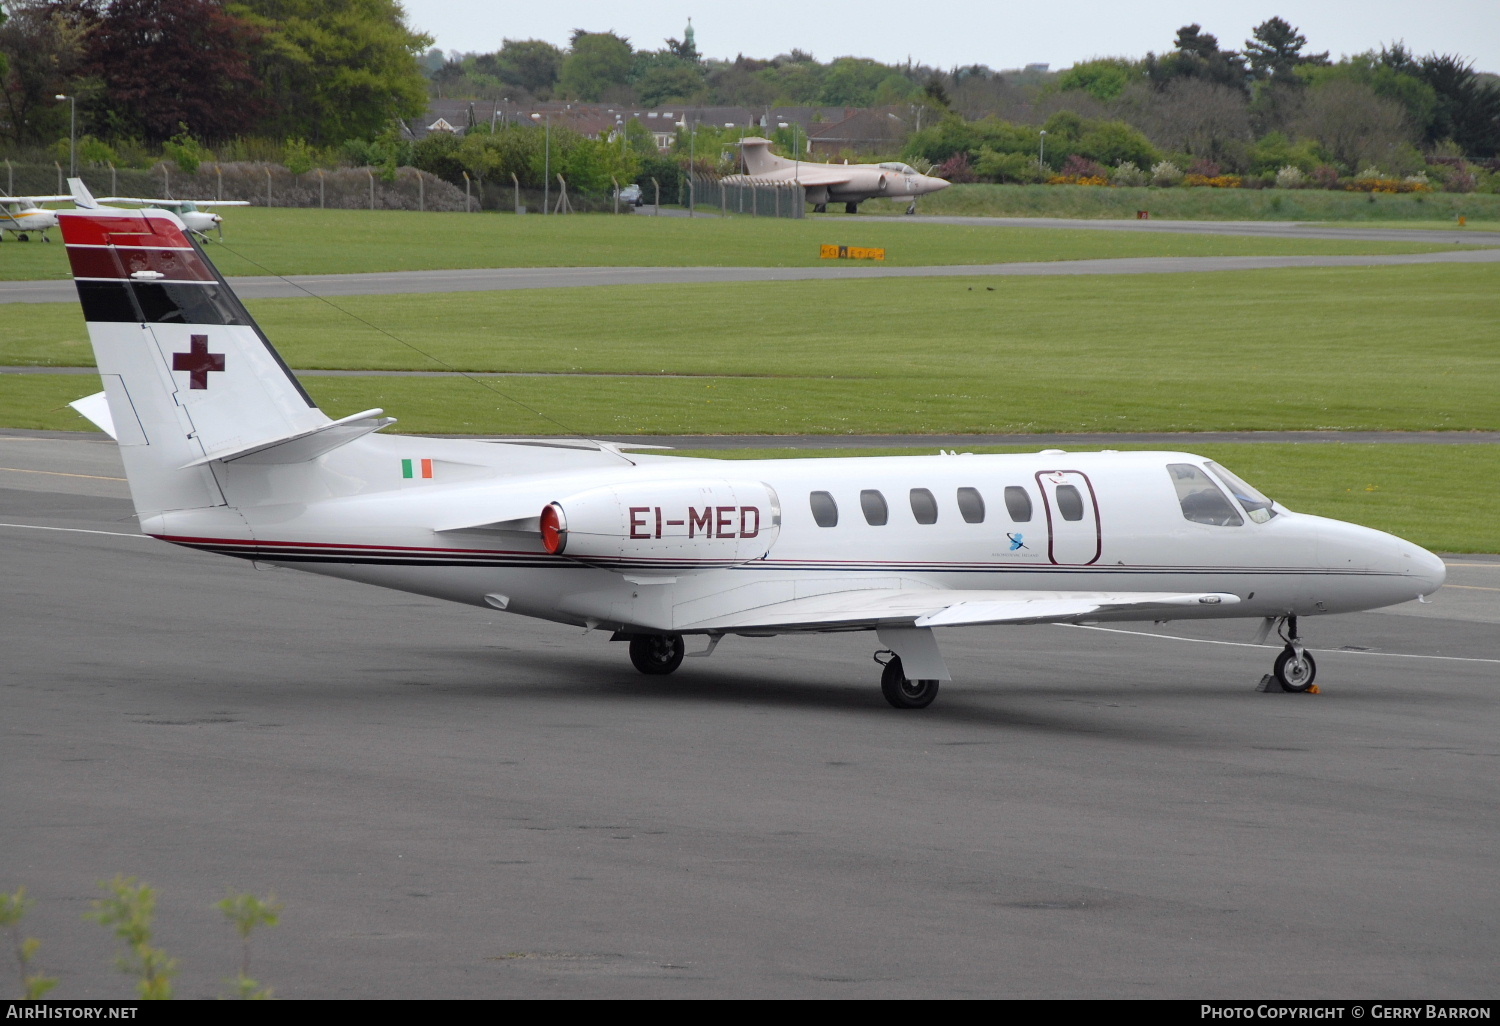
(900, 692)
(912, 209)
(657, 654)
(1295, 669)
(820, 208)
(851, 208)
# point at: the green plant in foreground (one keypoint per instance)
(128, 909)
(246, 912)
(12, 910)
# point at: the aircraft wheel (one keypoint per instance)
(1293, 672)
(851, 208)
(820, 208)
(45, 239)
(657, 654)
(903, 693)
(23, 237)
(911, 210)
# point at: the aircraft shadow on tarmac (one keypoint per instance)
(550, 676)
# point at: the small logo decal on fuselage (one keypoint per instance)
(1017, 541)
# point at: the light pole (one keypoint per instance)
(547, 165)
(72, 134)
(1042, 155)
(692, 159)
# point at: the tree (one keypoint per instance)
(1197, 55)
(597, 61)
(165, 64)
(1196, 116)
(530, 64)
(336, 69)
(1103, 79)
(1356, 127)
(42, 43)
(1467, 109)
(1275, 51)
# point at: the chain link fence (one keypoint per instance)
(262, 184)
(757, 199)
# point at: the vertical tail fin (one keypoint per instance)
(759, 159)
(187, 373)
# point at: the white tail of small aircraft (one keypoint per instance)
(226, 452)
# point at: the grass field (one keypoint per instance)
(1201, 204)
(276, 241)
(1424, 493)
(1396, 348)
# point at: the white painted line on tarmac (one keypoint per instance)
(1246, 644)
(78, 530)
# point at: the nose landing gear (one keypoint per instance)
(1294, 670)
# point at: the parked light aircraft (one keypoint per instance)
(196, 221)
(225, 452)
(849, 184)
(23, 215)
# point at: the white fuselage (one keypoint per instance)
(420, 534)
(27, 219)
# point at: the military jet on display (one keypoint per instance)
(194, 214)
(23, 216)
(225, 452)
(849, 184)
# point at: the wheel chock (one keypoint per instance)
(1271, 685)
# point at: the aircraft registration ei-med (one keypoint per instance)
(226, 453)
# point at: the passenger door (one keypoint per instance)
(1074, 537)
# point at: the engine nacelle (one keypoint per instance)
(665, 527)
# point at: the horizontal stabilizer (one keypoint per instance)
(934, 607)
(95, 409)
(304, 445)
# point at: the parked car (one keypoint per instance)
(632, 194)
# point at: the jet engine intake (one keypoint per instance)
(664, 526)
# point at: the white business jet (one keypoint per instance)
(225, 452)
(24, 216)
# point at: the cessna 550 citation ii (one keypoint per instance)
(225, 452)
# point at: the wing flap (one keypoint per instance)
(947, 608)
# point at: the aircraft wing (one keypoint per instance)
(220, 203)
(946, 608)
(163, 203)
(34, 199)
(806, 174)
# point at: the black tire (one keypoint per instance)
(1293, 674)
(23, 238)
(657, 654)
(820, 208)
(851, 208)
(903, 693)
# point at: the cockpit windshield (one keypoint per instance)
(905, 169)
(1257, 505)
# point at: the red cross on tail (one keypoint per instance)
(198, 361)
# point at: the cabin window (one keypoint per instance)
(824, 510)
(971, 505)
(1069, 502)
(1256, 504)
(923, 506)
(1201, 500)
(874, 507)
(1018, 503)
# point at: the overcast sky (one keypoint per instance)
(999, 33)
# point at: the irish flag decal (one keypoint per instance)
(409, 468)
